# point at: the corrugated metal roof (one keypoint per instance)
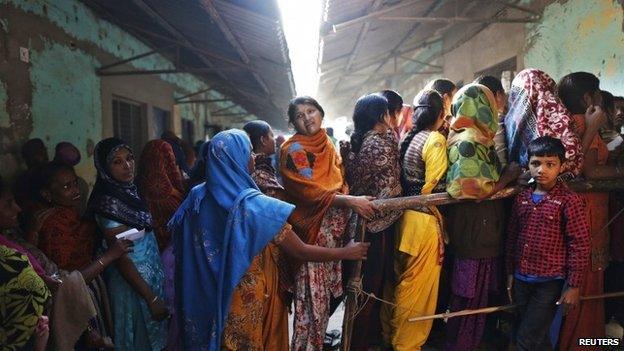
(252, 48)
(380, 52)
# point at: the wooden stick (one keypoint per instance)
(503, 308)
(350, 300)
(462, 313)
(407, 202)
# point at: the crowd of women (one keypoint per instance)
(212, 253)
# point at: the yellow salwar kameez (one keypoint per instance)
(419, 245)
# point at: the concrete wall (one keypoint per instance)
(57, 95)
(580, 35)
(495, 44)
(573, 35)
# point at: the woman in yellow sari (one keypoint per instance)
(419, 234)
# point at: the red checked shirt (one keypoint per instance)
(550, 238)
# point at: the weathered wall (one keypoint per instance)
(580, 35)
(57, 95)
(495, 44)
(573, 35)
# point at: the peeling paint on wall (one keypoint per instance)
(57, 95)
(79, 21)
(66, 102)
(580, 35)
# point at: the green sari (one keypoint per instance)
(23, 295)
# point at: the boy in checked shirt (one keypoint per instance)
(547, 246)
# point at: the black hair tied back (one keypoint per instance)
(369, 110)
(427, 109)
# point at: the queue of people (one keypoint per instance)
(211, 250)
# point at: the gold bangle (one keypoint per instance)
(100, 262)
(154, 300)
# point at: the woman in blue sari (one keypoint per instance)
(135, 283)
(219, 229)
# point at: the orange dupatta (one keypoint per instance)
(313, 174)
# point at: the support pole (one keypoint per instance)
(351, 299)
(130, 59)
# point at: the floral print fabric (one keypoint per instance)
(534, 111)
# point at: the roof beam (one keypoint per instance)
(225, 29)
(519, 7)
(200, 101)
(349, 23)
(460, 19)
(377, 59)
(420, 62)
(163, 71)
(396, 49)
(222, 109)
(358, 42)
(135, 57)
(231, 87)
(242, 114)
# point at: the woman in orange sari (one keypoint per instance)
(580, 93)
(314, 181)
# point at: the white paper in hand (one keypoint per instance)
(131, 234)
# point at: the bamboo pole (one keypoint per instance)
(351, 299)
(493, 309)
(407, 202)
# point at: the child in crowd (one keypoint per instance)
(547, 245)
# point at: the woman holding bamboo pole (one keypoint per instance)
(373, 169)
(314, 181)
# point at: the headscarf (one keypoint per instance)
(474, 167)
(114, 200)
(176, 145)
(66, 153)
(312, 173)
(220, 227)
(198, 172)
(160, 184)
(534, 111)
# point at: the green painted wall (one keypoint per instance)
(580, 35)
(66, 103)
(64, 93)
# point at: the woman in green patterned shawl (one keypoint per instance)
(475, 230)
(474, 169)
(23, 295)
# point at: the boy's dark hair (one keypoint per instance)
(492, 83)
(573, 87)
(302, 100)
(547, 146)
